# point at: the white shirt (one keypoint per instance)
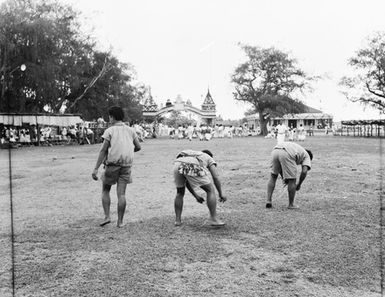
(281, 129)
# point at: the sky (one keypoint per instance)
(183, 47)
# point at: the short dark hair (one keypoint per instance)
(116, 112)
(208, 152)
(310, 154)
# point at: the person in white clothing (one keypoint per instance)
(281, 132)
(208, 133)
(190, 132)
(301, 133)
(292, 131)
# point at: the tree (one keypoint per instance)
(368, 85)
(267, 80)
(113, 87)
(64, 71)
(43, 36)
(176, 119)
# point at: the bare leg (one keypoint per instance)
(106, 202)
(212, 205)
(270, 189)
(121, 192)
(178, 205)
(291, 189)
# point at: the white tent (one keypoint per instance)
(61, 120)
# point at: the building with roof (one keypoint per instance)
(318, 120)
(206, 114)
(311, 119)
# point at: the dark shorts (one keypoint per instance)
(116, 174)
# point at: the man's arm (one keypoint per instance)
(102, 156)
(217, 182)
(191, 190)
(137, 147)
(302, 177)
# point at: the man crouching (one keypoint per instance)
(192, 169)
(285, 158)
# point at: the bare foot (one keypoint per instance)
(292, 207)
(105, 222)
(215, 223)
(177, 224)
(120, 225)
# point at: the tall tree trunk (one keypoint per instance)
(4, 78)
(22, 104)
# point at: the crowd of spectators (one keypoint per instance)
(91, 133)
(48, 135)
(201, 132)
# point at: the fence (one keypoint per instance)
(366, 128)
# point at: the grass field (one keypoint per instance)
(329, 247)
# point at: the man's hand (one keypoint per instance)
(298, 187)
(95, 174)
(222, 199)
(199, 199)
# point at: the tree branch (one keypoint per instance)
(92, 83)
(374, 92)
(370, 101)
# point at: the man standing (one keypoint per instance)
(117, 153)
(301, 133)
(190, 132)
(192, 169)
(281, 132)
(285, 158)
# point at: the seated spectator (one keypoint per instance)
(270, 135)
(22, 136)
(12, 136)
(90, 135)
(64, 133)
(27, 137)
(101, 122)
(72, 132)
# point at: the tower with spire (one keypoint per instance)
(208, 103)
(149, 104)
(208, 109)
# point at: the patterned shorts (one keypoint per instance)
(195, 181)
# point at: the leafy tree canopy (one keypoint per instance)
(64, 71)
(367, 86)
(267, 80)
